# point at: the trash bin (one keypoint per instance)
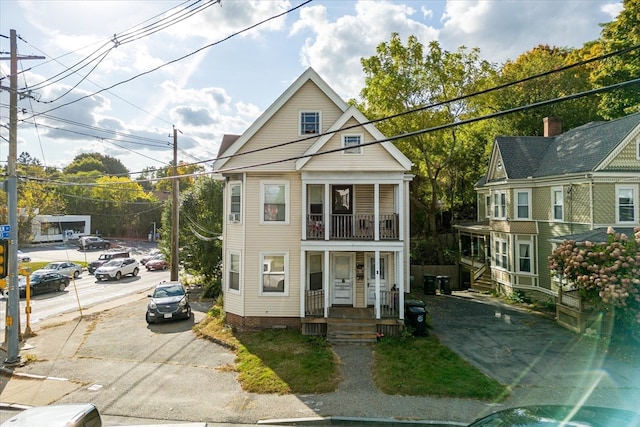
(429, 284)
(444, 283)
(415, 316)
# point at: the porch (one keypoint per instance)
(353, 227)
(354, 325)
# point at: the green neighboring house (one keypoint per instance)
(539, 190)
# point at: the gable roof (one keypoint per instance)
(308, 75)
(582, 149)
(354, 113)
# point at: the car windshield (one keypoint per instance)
(168, 291)
(114, 263)
(52, 266)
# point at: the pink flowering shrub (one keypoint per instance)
(604, 273)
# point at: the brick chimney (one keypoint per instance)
(552, 126)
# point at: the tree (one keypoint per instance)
(604, 273)
(200, 229)
(536, 61)
(400, 78)
(87, 162)
(623, 32)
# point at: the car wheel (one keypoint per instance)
(149, 321)
(189, 314)
(61, 287)
(164, 267)
(135, 272)
(118, 275)
(76, 274)
(107, 246)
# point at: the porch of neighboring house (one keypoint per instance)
(475, 254)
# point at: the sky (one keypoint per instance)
(118, 76)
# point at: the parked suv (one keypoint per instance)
(104, 258)
(116, 268)
(93, 242)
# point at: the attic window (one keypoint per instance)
(499, 165)
(309, 122)
(351, 143)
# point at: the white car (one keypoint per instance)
(116, 268)
(66, 268)
(22, 257)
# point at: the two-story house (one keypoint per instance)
(316, 222)
(539, 190)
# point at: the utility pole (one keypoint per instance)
(12, 324)
(175, 216)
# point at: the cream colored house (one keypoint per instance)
(316, 217)
(539, 190)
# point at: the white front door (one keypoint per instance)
(371, 276)
(342, 289)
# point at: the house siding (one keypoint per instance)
(262, 240)
(284, 126)
(626, 159)
(604, 203)
(373, 157)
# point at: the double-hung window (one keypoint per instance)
(234, 271)
(499, 205)
(275, 198)
(351, 144)
(235, 202)
(309, 122)
(523, 204)
(557, 204)
(524, 257)
(501, 254)
(626, 204)
(274, 274)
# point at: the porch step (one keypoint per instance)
(351, 331)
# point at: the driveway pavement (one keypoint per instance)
(163, 373)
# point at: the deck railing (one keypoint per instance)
(353, 227)
(314, 303)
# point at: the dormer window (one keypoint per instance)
(309, 123)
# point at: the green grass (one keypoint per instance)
(285, 361)
(421, 366)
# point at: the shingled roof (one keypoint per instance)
(579, 150)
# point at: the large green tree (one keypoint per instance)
(541, 59)
(400, 78)
(623, 32)
(87, 162)
(200, 221)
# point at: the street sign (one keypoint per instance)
(5, 235)
(5, 228)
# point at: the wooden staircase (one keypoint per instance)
(351, 331)
(348, 325)
(484, 282)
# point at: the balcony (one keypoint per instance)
(353, 227)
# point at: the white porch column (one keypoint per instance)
(377, 262)
(303, 283)
(401, 277)
(376, 215)
(304, 205)
(325, 283)
(327, 211)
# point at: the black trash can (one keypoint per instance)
(415, 316)
(429, 284)
(444, 283)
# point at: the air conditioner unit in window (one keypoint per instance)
(234, 217)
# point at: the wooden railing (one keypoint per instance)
(353, 227)
(314, 303)
(389, 304)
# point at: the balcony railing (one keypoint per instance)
(353, 227)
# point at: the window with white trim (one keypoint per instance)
(487, 206)
(351, 144)
(273, 280)
(499, 205)
(309, 122)
(524, 257)
(275, 198)
(625, 204)
(557, 204)
(235, 194)
(523, 204)
(316, 267)
(233, 272)
(501, 254)
(637, 148)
